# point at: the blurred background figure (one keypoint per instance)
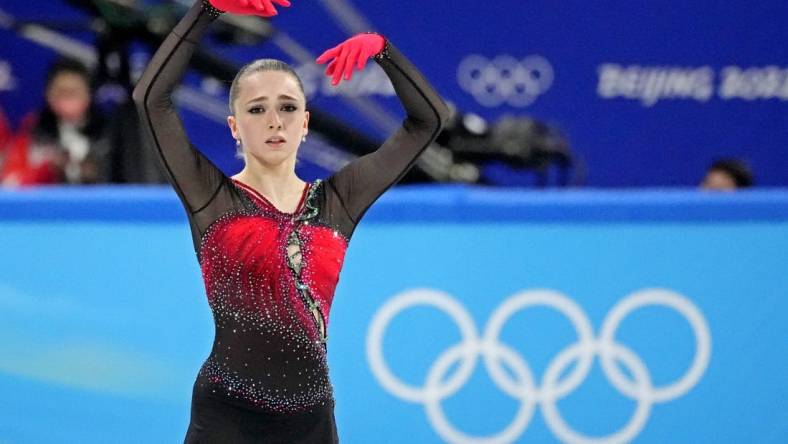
(727, 175)
(65, 142)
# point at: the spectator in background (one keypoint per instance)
(67, 143)
(727, 175)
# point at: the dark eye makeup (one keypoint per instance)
(286, 108)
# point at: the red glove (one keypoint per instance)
(263, 8)
(354, 51)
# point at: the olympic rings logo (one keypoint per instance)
(522, 385)
(505, 79)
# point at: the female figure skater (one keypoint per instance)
(271, 246)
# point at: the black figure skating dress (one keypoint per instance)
(270, 276)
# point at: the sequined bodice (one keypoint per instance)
(270, 278)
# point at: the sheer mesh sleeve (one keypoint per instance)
(202, 188)
(356, 186)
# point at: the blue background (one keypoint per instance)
(104, 323)
(622, 142)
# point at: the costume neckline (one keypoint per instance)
(259, 196)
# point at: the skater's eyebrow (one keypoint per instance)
(264, 98)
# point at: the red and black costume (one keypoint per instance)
(270, 276)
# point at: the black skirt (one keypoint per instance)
(215, 420)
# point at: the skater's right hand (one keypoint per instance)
(264, 8)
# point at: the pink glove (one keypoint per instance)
(263, 8)
(354, 51)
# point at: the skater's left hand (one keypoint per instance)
(353, 52)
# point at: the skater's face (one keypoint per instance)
(270, 117)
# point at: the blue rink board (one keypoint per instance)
(103, 319)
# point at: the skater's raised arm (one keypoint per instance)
(193, 176)
(361, 182)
